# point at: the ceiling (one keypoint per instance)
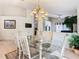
(53, 7)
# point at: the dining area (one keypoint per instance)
(25, 47)
(43, 46)
(38, 29)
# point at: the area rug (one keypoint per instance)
(14, 54)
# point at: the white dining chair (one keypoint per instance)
(18, 42)
(57, 47)
(25, 47)
(44, 38)
(22, 45)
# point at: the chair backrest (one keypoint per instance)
(18, 40)
(25, 46)
(22, 44)
(19, 34)
(33, 45)
(58, 41)
(46, 40)
(46, 36)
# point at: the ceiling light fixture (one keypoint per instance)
(39, 12)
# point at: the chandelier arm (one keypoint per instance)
(39, 11)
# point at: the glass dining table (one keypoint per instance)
(38, 50)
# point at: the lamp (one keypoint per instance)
(39, 12)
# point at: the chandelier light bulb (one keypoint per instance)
(39, 12)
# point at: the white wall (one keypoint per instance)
(12, 11)
(11, 33)
(29, 19)
(21, 16)
(78, 19)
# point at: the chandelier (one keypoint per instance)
(39, 12)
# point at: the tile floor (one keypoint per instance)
(71, 55)
(8, 46)
(5, 47)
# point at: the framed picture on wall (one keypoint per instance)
(9, 24)
(28, 25)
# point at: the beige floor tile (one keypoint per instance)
(6, 47)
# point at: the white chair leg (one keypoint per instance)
(23, 55)
(19, 55)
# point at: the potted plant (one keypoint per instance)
(74, 43)
(69, 21)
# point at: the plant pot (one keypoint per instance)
(76, 51)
